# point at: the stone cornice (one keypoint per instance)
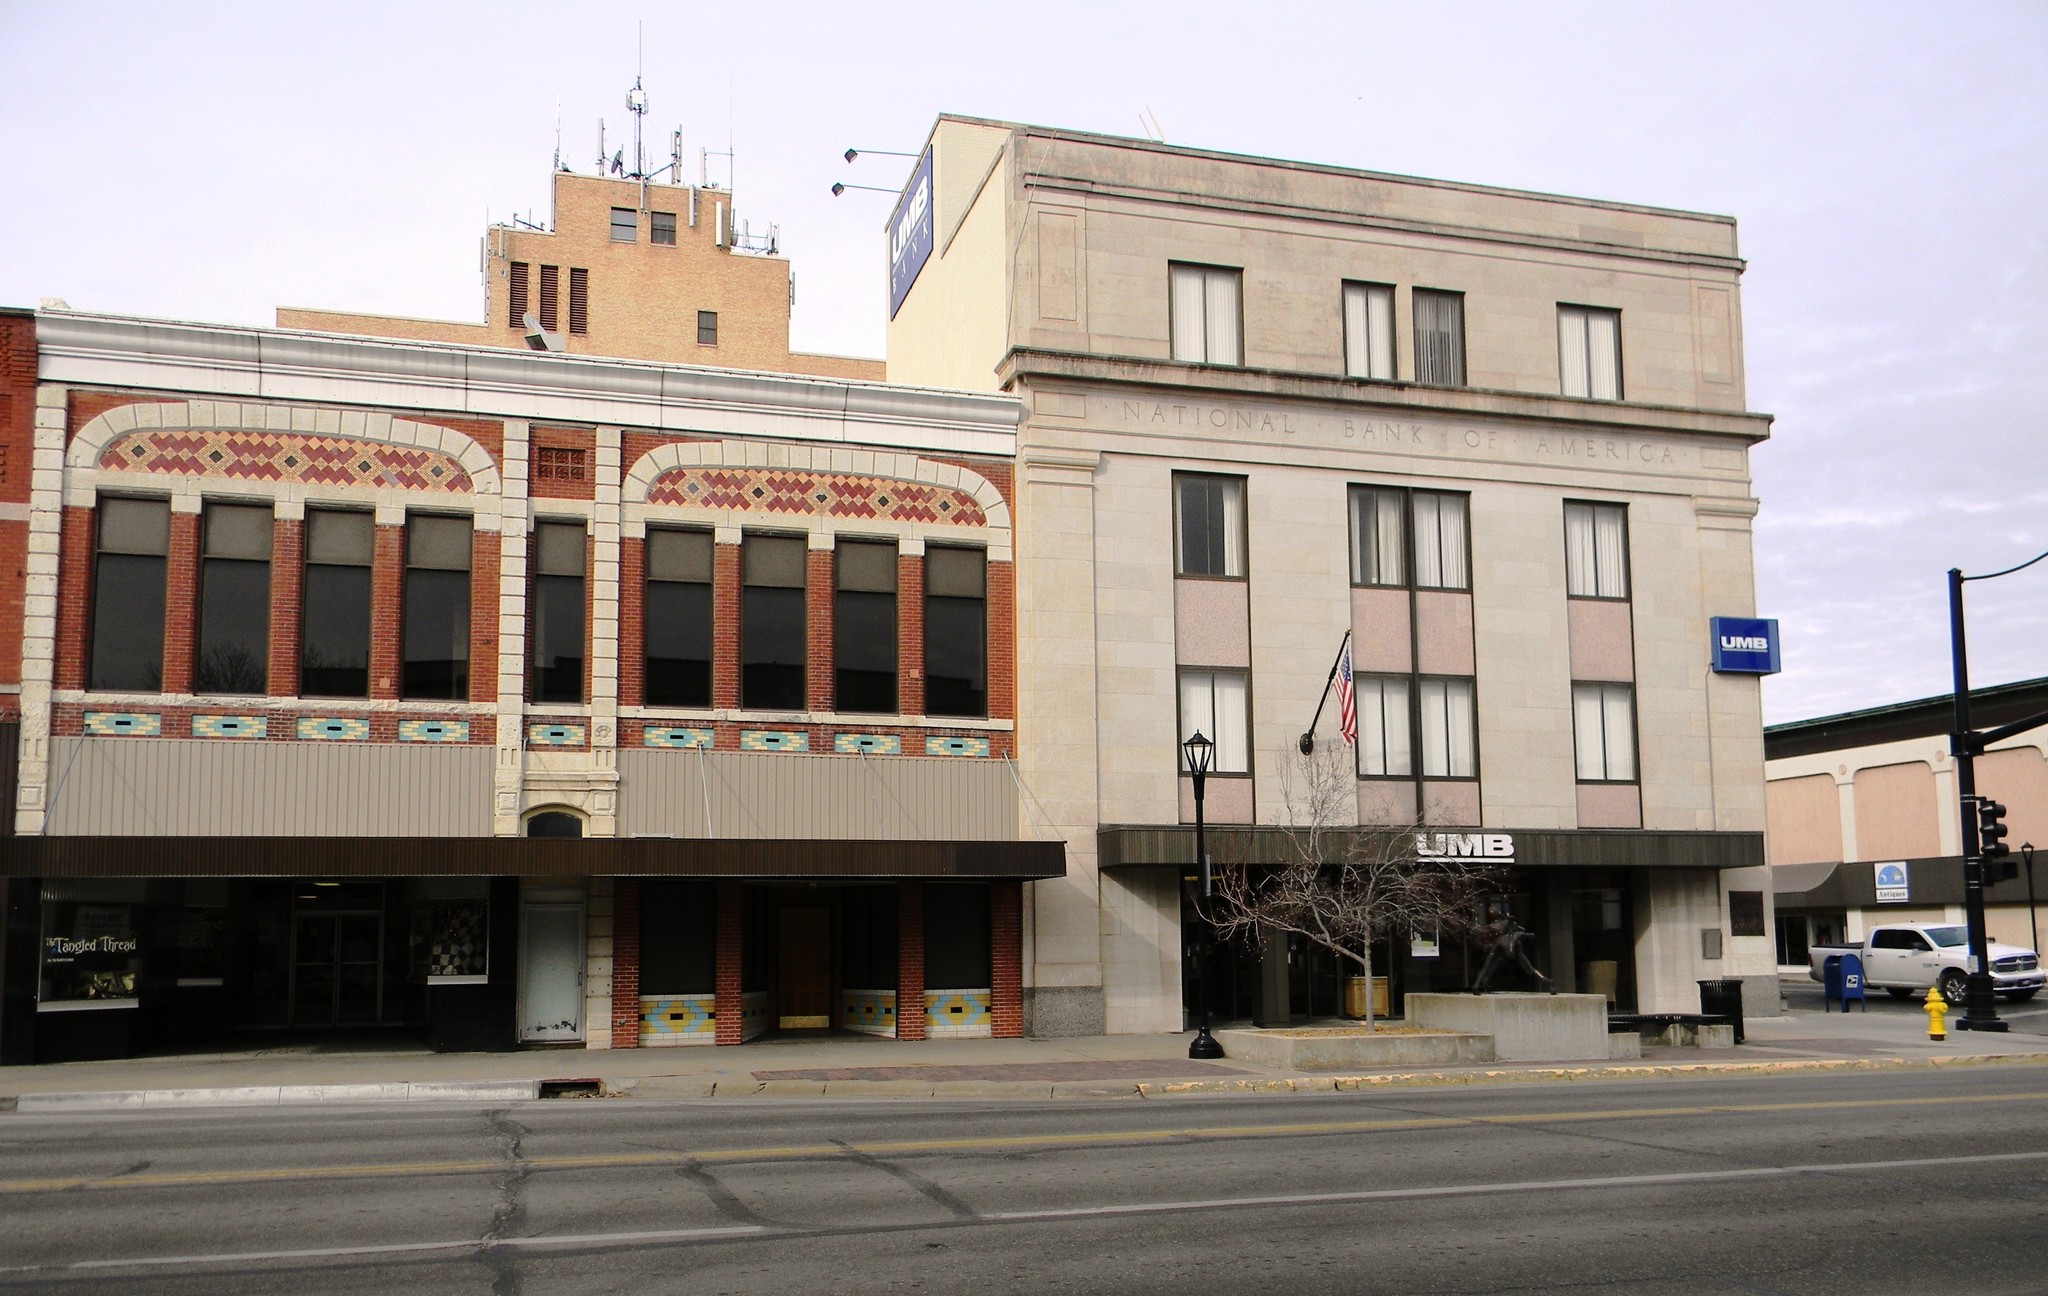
(1031, 365)
(212, 360)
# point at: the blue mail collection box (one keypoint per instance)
(1842, 981)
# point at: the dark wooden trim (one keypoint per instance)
(1137, 846)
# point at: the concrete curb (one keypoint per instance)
(468, 1091)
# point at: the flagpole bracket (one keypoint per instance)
(1307, 744)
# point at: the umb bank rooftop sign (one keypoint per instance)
(910, 233)
(1744, 645)
(1492, 848)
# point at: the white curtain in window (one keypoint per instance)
(1581, 574)
(1440, 541)
(1603, 354)
(1221, 299)
(1233, 526)
(1439, 337)
(1377, 535)
(1190, 331)
(1603, 723)
(1610, 546)
(1385, 745)
(1571, 350)
(1449, 749)
(1369, 330)
(1214, 702)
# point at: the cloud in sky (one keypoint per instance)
(213, 161)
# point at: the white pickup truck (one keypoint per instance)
(1904, 959)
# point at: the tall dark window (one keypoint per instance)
(515, 295)
(556, 614)
(864, 626)
(707, 328)
(234, 599)
(661, 228)
(436, 608)
(955, 632)
(1439, 337)
(678, 618)
(1208, 515)
(128, 595)
(772, 639)
(579, 300)
(334, 623)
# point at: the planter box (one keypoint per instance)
(1524, 1027)
(1323, 1050)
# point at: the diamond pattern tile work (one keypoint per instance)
(957, 1012)
(284, 457)
(774, 740)
(677, 736)
(872, 744)
(871, 1012)
(454, 731)
(339, 728)
(956, 746)
(112, 724)
(794, 492)
(230, 726)
(555, 735)
(678, 1019)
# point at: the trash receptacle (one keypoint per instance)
(1723, 999)
(1354, 997)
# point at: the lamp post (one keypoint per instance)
(2033, 919)
(1199, 751)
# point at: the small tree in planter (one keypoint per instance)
(1340, 886)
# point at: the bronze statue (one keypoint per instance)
(1507, 950)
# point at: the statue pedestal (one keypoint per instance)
(1524, 1027)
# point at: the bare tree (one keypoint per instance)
(1342, 886)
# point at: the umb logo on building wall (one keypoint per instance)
(910, 233)
(1494, 848)
(1745, 645)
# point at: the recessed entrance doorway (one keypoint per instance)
(805, 965)
(337, 971)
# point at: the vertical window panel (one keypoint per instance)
(1440, 541)
(1589, 352)
(1209, 525)
(550, 283)
(1449, 745)
(555, 614)
(1217, 705)
(661, 228)
(127, 652)
(1439, 337)
(1604, 732)
(232, 654)
(956, 632)
(773, 644)
(864, 627)
(1385, 741)
(1369, 330)
(515, 295)
(677, 611)
(579, 300)
(1205, 306)
(435, 635)
(1379, 544)
(334, 617)
(1596, 550)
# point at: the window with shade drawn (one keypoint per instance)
(1401, 536)
(677, 619)
(1208, 518)
(1206, 308)
(1450, 747)
(334, 616)
(233, 649)
(1216, 704)
(864, 626)
(131, 540)
(955, 632)
(556, 612)
(435, 636)
(773, 648)
(1386, 747)
(1439, 337)
(1604, 732)
(1589, 352)
(1596, 551)
(1369, 330)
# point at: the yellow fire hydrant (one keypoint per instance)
(1937, 1014)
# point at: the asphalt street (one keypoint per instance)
(1868, 1183)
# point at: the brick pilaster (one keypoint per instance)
(1002, 641)
(632, 622)
(181, 601)
(728, 953)
(725, 627)
(819, 684)
(626, 963)
(485, 558)
(910, 960)
(74, 597)
(1006, 958)
(287, 576)
(387, 600)
(910, 636)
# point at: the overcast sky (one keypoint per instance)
(1888, 165)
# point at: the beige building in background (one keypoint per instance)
(626, 269)
(1501, 437)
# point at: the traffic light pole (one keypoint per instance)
(1980, 1005)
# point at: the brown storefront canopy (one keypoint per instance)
(1151, 847)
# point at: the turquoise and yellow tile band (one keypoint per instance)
(336, 728)
(677, 736)
(124, 724)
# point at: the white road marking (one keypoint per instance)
(662, 1236)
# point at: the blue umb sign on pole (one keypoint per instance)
(910, 233)
(1745, 645)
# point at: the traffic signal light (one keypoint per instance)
(1991, 847)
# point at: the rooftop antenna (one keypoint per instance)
(1148, 121)
(601, 159)
(558, 134)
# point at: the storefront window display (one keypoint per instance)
(92, 954)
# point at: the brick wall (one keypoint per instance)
(485, 560)
(582, 443)
(725, 626)
(910, 960)
(1002, 641)
(626, 963)
(632, 622)
(1006, 959)
(287, 576)
(181, 602)
(387, 599)
(910, 634)
(819, 684)
(17, 459)
(74, 597)
(727, 952)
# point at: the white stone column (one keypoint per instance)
(508, 782)
(39, 609)
(604, 640)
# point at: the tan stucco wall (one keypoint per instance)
(1805, 820)
(1895, 812)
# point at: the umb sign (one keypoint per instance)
(910, 233)
(1892, 883)
(1494, 848)
(1745, 645)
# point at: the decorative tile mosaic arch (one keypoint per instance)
(840, 495)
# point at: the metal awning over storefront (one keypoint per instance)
(526, 857)
(1135, 846)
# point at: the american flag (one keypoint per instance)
(1347, 702)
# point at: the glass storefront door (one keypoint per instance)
(337, 969)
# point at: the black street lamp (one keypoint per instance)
(2033, 920)
(1199, 751)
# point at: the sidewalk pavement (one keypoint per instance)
(1804, 1039)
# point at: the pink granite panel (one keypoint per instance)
(1379, 632)
(1602, 641)
(1386, 802)
(1224, 801)
(1443, 626)
(1610, 805)
(1212, 623)
(1454, 805)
